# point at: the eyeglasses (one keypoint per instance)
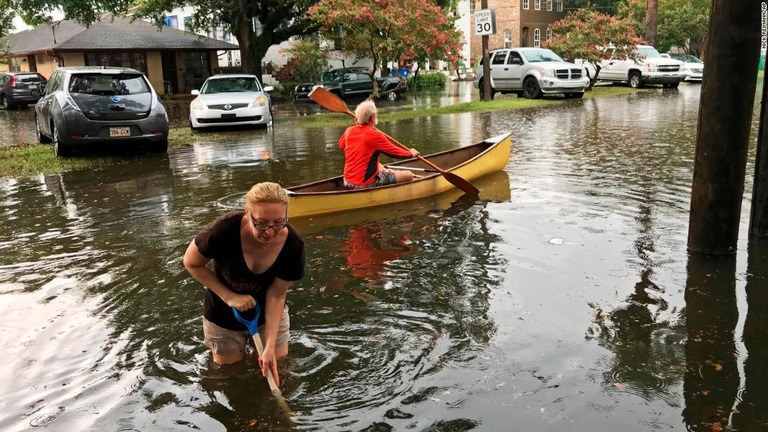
(264, 227)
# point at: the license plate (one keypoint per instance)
(119, 131)
(228, 116)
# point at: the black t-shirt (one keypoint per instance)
(220, 242)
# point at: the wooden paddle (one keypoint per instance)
(333, 103)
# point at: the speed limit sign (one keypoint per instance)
(485, 22)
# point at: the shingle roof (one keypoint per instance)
(119, 33)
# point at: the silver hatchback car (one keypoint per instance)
(100, 105)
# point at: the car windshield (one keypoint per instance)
(541, 55)
(29, 78)
(108, 84)
(690, 59)
(231, 85)
(647, 52)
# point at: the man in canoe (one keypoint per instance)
(362, 144)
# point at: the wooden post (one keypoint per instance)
(486, 65)
(758, 220)
(725, 116)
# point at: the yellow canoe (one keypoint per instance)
(470, 162)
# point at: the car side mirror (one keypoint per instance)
(269, 88)
(195, 92)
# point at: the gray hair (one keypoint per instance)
(365, 112)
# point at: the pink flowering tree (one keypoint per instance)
(586, 35)
(401, 31)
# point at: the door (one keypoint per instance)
(613, 69)
(514, 69)
(170, 77)
(499, 70)
(43, 106)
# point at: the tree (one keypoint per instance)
(6, 18)
(683, 23)
(586, 34)
(608, 7)
(276, 18)
(390, 30)
(651, 19)
(311, 59)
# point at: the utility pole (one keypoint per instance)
(758, 220)
(725, 117)
(485, 24)
(486, 66)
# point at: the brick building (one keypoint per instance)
(519, 23)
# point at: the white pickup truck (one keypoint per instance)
(648, 67)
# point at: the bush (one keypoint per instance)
(311, 60)
(430, 80)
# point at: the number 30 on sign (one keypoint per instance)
(485, 22)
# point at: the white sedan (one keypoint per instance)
(231, 100)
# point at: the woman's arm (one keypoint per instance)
(195, 263)
(275, 303)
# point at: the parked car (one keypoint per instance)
(647, 67)
(531, 72)
(100, 105)
(352, 82)
(20, 88)
(693, 68)
(231, 100)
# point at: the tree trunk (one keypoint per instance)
(651, 14)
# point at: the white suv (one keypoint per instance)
(648, 67)
(532, 72)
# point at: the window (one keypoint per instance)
(536, 38)
(526, 4)
(514, 58)
(507, 38)
(537, 4)
(499, 58)
(549, 5)
(171, 21)
(136, 61)
(471, 7)
(14, 65)
(549, 34)
(559, 5)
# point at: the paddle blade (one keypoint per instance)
(329, 101)
(460, 183)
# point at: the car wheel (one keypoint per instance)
(393, 96)
(58, 148)
(482, 90)
(5, 102)
(635, 79)
(42, 139)
(531, 88)
(672, 85)
(192, 126)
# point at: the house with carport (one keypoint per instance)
(173, 60)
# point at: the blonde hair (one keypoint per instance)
(265, 192)
(365, 112)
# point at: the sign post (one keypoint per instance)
(485, 24)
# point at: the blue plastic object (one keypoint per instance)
(253, 325)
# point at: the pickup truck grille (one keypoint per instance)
(568, 73)
(668, 68)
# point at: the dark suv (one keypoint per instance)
(20, 88)
(100, 105)
(352, 82)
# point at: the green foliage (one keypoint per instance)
(399, 31)
(6, 18)
(311, 59)
(585, 34)
(683, 23)
(424, 81)
(608, 7)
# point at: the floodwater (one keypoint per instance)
(561, 300)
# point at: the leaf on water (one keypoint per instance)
(620, 386)
(442, 297)
(319, 237)
(718, 367)
(252, 422)
(704, 392)
(716, 427)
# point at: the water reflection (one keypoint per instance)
(711, 372)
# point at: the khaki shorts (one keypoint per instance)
(224, 341)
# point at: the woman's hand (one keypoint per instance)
(267, 361)
(241, 302)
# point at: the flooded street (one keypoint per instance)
(561, 300)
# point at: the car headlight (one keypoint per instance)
(196, 105)
(652, 68)
(547, 72)
(259, 102)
